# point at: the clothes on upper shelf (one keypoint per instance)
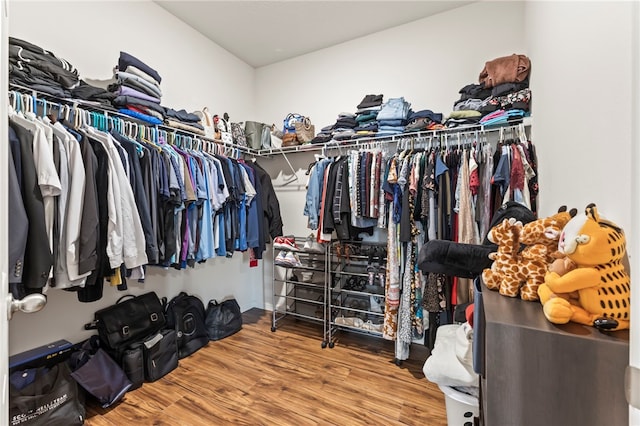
(504, 85)
(39, 69)
(377, 118)
(88, 206)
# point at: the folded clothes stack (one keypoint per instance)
(344, 127)
(503, 86)
(137, 90)
(393, 116)
(183, 120)
(39, 69)
(367, 116)
(502, 117)
(324, 135)
(138, 95)
(423, 120)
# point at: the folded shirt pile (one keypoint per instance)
(423, 120)
(39, 69)
(137, 90)
(366, 116)
(502, 117)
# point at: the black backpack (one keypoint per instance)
(185, 314)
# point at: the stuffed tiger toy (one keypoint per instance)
(597, 248)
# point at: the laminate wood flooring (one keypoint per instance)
(259, 377)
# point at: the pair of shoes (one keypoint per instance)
(311, 245)
(287, 259)
(285, 243)
(350, 321)
(369, 326)
(361, 305)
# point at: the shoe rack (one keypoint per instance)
(357, 274)
(300, 282)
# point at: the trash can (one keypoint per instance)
(461, 407)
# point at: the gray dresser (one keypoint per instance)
(537, 373)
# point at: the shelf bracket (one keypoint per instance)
(293, 171)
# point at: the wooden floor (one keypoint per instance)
(259, 377)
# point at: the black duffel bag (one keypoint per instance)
(223, 319)
(131, 319)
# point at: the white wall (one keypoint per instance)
(582, 81)
(581, 84)
(427, 61)
(195, 73)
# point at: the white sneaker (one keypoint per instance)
(292, 259)
(281, 259)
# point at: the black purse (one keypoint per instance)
(223, 319)
(46, 396)
(129, 320)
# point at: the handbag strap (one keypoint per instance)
(125, 297)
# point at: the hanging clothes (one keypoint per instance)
(97, 206)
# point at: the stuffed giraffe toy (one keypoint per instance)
(540, 238)
(504, 274)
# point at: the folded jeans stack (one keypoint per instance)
(393, 110)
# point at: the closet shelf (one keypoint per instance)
(49, 101)
(401, 137)
(316, 285)
(357, 293)
(302, 267)
(349, 273)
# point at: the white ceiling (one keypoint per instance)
(264, 32)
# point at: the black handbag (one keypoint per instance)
(185, 314)
(160, 354)
(132, 318)
(98, 373)
(223, 319)
(45, 396)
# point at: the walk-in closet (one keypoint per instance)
(319, 213)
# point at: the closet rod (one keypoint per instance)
(448, 135)
(85, 105)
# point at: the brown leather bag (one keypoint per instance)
(290, 139)
(507, 69)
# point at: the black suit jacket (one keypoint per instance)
(38, 258)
